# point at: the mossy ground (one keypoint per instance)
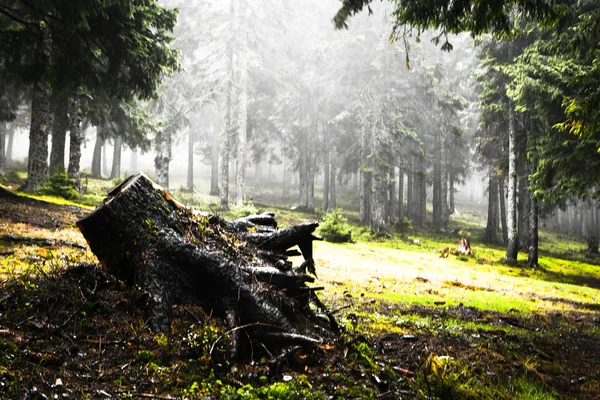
(418, 326)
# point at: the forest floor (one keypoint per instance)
(417, 325)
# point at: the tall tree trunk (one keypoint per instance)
(76, 136)
(303, 168)
(163, 158)
(229, 117)
(400, 194)
(258, 178)
(60, 124)
(310, 167)
(41, 119)
(366, 177)
(533, 230)
(190, 161)
(410, 204)
(523, 210)
(2, 147)
(380, 189)
(115, 171)
(392, 207)
(423, 196)
(502, 210)
(437, 183)
(97, 155)
(491, 229)
(104, 158)
(511, 212)
(333, 183)
(9, 146)
(242, 133)
(214, 162)
(451, 181)
(326, 172)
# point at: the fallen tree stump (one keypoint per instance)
(238, 270)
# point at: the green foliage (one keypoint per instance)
(244, 209)
(60, 184)
(334, 228)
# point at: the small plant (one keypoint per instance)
(60, 184)
(244, 209)
(334, 228)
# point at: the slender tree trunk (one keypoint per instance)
(491, 229)
(511, 216)
(2, 147)
(502, 210)
(378, 202)
(451, 180)
(60, 125)
(162, 159)
(240, 193)
(423, 196)
(310, 165)
(366, 178)
(400, 194)
(302, 168)
(523, 210)
(533, 229)
(104, 158)
(115, 171)
(333, 183)
(97, 155)
(437, 183)
(392, 207)
(410, 204)
(258, 178)
(41, 119)
(326, 172)
(214, 164)
(76, 137)
(229, 117)
(190, 164)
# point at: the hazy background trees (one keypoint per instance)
(271, 100)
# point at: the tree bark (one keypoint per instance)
(162, 247)
(41, 119)
(333, 183)
(523, 211)
(9, 146)
(96, 169)
(410, 204)
(491, 229)
(326, 176)
(400, 194)
(533, 230)
(511, 212)
(229, 117)
(437, 183)
(115, 171)
(76, 137)
(214, 162)
(2, 147)
(60, 125)
(502, 210)
(163, 158)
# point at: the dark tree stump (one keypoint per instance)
(237, 270)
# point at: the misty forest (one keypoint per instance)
(317, 199)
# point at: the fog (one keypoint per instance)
(305, 112)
